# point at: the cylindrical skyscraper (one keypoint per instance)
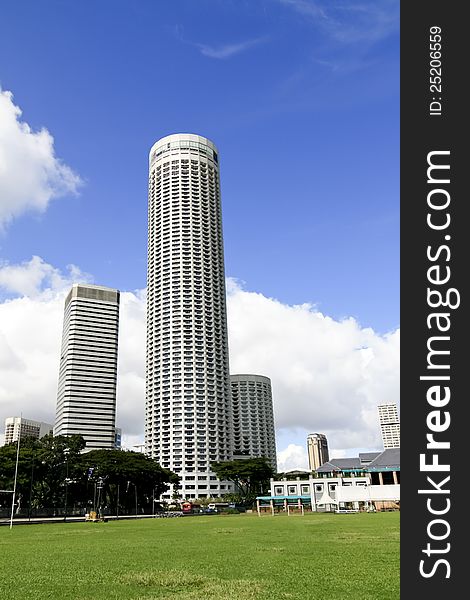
(188, 405)
(253, 419)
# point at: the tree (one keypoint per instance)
(125, 478)
(7, 470)
(250, 476)
(57, 461)
(54, 473)
(43, 466)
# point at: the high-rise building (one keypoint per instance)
(86, 398)
(19, 427)
(118, 438)
(188, 420)
(253, 419)
(317, 449)
(389, 425)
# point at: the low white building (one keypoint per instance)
(369, 482)
(330, 494)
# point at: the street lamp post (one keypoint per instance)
(98, 503)
(66, 454)
(13, 498)
(94, 496)
(31, 486)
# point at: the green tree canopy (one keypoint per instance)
(43, 466)
(117, 467)
(250, 475)
(54, 472)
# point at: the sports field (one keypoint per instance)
(233, 557)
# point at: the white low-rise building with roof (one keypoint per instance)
(369, 482)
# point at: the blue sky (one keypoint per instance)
(302, 99)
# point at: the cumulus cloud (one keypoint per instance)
(35, 276)
(131, 367)
(30, 173)
(294, 457)
(327, 376)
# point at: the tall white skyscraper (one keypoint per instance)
(317, 450)
(253, 419)
(86, 398)
(188, 421)
(389, 425)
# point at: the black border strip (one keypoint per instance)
(433, 260)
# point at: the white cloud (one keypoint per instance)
(30, 173)
(31, 330)
(365, 21)
(308, 8)
(292, 458)
(223, 51)
(327, 376)
(228, 50)
(35, 276)
(131, 367)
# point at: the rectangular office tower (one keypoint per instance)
(86, 398)
(188, 406)
(19, 427)
(317, 450)
(389, 425)
(253, 419)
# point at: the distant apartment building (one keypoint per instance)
(253, 418)
(18, 427)
(86, 397)
(389, 425)
(317, 449)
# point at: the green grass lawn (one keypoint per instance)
(233, 557)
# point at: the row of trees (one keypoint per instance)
(55, 477)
